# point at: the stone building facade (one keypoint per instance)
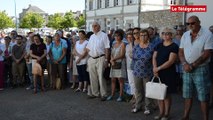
(114, 14)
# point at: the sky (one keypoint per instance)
(49, 6)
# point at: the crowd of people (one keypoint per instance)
(180, 57)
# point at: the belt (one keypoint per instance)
(98, 56)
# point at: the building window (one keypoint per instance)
(129, 2)
(99, 4)
(115, 2)
(106, 3)
(90, 4)
(108, 24)
(116, 24)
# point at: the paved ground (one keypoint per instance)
(19, 104)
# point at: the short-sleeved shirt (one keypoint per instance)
(38, 50)
(57, 51)
(80, 49)
(97, 44)
(193, 50)
(18, 51)
(142, 61)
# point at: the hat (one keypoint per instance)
(37, 70)
(59, 33)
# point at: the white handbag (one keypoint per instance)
(156, 90)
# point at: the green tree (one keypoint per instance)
(32, 20)
(81, 21)
(55, 21)
(5, 21)
(68, 20)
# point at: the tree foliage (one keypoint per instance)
(68, 20)
(5, 21)
(55, 21)
(32, 20)
(81, 21)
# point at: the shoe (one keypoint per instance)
(165, 118)
(78, 90)
(158, 117)
(119, 99)
(91, 97)
(146, 112)
(103, 98)
(84, 90)
(29, 88)
(72, 87)
(109, 98)
(135, 110)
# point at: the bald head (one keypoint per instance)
(195, 18)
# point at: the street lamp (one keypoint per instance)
(15, 15)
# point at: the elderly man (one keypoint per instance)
(195, 51)
(97, 48)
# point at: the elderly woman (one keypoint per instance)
(142, 70)
(81, 57)
(57, 55)
(164, 58)
(38, 53)
(128, 54)
(73, 67)
(118, 65)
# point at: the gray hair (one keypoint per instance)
(169, 29)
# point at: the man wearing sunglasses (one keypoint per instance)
(194, 53)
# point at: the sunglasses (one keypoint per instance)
(166, 33)
(192, 23)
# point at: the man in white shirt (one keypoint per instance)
(98, 49)
(194, 53)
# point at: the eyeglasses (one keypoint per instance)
(166, 33)
(135, 33)
(192, 23)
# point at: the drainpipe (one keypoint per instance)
(184, 13)
(139, 11)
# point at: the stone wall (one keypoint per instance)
(161, 18)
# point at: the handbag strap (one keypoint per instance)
(157, 78)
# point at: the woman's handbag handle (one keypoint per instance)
(157, 78)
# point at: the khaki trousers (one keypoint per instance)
(18, 70)
(96, 70)
(140, 87)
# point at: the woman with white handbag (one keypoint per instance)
(164, 58)
(142, 70)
